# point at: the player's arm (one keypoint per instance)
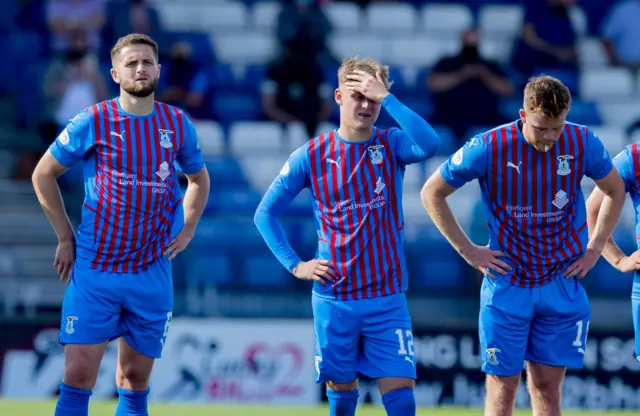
(608, 180)
(293, 178)
(417, 141)
(68, 149)
(191, 163)
(611, 252)
(468, 163)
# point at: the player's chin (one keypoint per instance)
(365, 121)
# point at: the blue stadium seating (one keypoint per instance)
(264, 271)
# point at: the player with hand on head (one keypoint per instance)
(359, 275)
(628, 164)
(134, 222)
(533, 306)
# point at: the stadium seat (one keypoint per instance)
(591, 53)
(254, 75)
(579, 20)
(420, 50)
(345, 17)
(265, 16)
(390, 17)
(261, 171)
(584, 112)
(569, 77)
(263, 138)
(234, 104)
(448, 141)
(606, 82)
(220, 75)
(264, 271)
(364, 46)
(446, 19)
(620, 112)
(177, 16)
(211, 137)
(236, 203)
(201, 47)
(414, 177)
(223, 17)
(497, 48)
(296, 135)
(225, 172)
(245, 48)
(501, 19)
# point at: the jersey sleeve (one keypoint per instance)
(294, 175)
(189, 157)
(598, 160)
(74, 141)
(623, 162)
(467, 164)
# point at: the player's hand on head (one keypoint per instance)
(319, 270)
(629, 263)
(487, 261)
(65, 258)
(371, 87)
(179, 243)
(582, 265)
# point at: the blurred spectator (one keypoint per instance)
(467, 88)
(304, 19)
(621, 32)
(294, 89)
(71, 83)
(549, 39)
(136, 17)
(186, 81)
(67, 16)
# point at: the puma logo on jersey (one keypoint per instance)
(113, 133)
(335, 162)
(516, 167)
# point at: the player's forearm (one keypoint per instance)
(607, 219)
(195, 199)
(440, 212)
(50, 199)
(266, 220)
(417, 128)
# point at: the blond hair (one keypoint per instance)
(133, 39)
(370, 66)
(546, 95)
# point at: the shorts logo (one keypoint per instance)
(318, 361)
(376, 154)
(491, 356)
(563, 165)
(165, 140)
(69, 329)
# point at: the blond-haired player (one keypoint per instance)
(533, 306)
(359, 274)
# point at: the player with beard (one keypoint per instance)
(134, 222)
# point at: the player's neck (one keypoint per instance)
(138, 106)
(355, 135)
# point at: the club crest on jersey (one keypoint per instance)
(376, 154)
(165, 140)
(491, 356)
(563, 165)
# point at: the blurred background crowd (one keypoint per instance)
(257, 78)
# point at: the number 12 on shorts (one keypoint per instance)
(580, 328)
(405, 340)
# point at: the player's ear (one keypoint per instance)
(114, 75)
(337, 95)
(523, 115)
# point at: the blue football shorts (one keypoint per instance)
(101, 306)
(366, 337)
(545, 324)
(635, 310)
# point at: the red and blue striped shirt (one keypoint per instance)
(533, 200)
(131, 186)
(357, 189)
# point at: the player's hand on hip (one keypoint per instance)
(179, 243)
(581, 266)
(65, 257)
(319, 270)
(486, 260)
(371, 87)
(629, 263)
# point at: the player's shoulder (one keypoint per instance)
(169, 109)
(322, 139)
